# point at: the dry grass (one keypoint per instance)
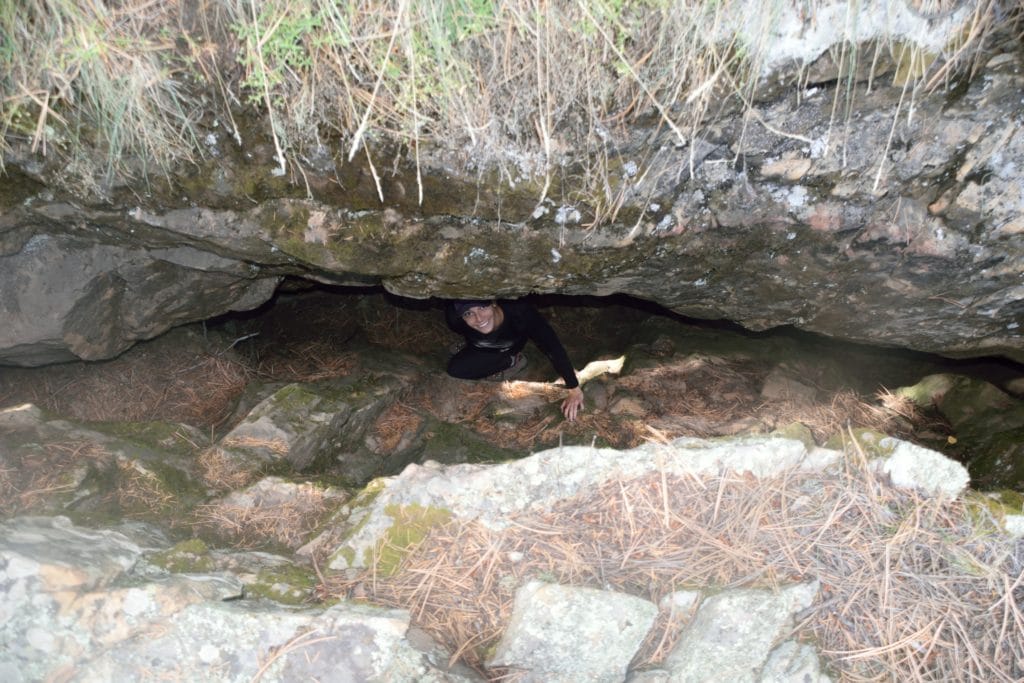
(140, 492)
(912, 589)
(32, 479)
(277, 447)
(306, 361)
(695, 396)
(403, 329)
(80, 75)
(255, 523)
(161, 380)
(394, 424)
(519, 84)
(222, 472)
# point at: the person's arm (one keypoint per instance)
(548, 342)
(538, 329)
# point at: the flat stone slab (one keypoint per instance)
(563, 634)
(734, 632)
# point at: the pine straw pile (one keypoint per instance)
(30, 478)
(166, 379)
(43, 479)
(912, 588)
(695, 396)
(250, 522)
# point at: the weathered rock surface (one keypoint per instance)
(898, 225)
(490, 493)
(734, 634)
(986, 421)
(100, 604)
(554, 629)
(73, 607)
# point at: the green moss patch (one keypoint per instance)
(412, 524)
(290, 585)
(191, 556)
(799, 432)
(868, 439)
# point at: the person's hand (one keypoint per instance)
(573, 404)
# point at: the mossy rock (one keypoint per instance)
(411, 525)
(176, 438)
(188, 557)
(998, 459)
(927, 392)
(289, 585)
(452, 444)
(990, 507)
(797, 431)
(869, 440)
(970, 401)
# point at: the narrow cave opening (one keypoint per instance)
(647, 374)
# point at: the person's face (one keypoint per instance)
(480, 318)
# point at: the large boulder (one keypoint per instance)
(74, 602)
(896, 224)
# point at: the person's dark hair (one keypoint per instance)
(463, 305)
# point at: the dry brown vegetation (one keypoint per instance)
(912, 588)
(253, 523)
(139, 491)
(174, 378)
(221, 472)
(516, 83)
(31, 478)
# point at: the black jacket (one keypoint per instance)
(522, 322)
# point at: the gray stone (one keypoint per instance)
(110, 295)
(907, 233)
(294, 424)
(911, 466)
(70, 601)
(233, 642)
(780, 386)
(792, 662)
(733, 633)
(489, 493)
(565, 634)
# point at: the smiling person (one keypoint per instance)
(496, 332)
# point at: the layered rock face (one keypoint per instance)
(873, 209)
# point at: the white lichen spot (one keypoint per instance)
(666, 223)
(790, 235)
(654, 207)
(474, 253)
(136, 602)
(208, 654)
(1012, 326)
(316, 229)
(555, 256)
(797, 196)
(541, 210)
(702, 282)
(630, 169)
(818, 147)
(41, 640)
(566, 215)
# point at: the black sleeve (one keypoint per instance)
(538, 329)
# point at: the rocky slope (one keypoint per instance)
(895, 222)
